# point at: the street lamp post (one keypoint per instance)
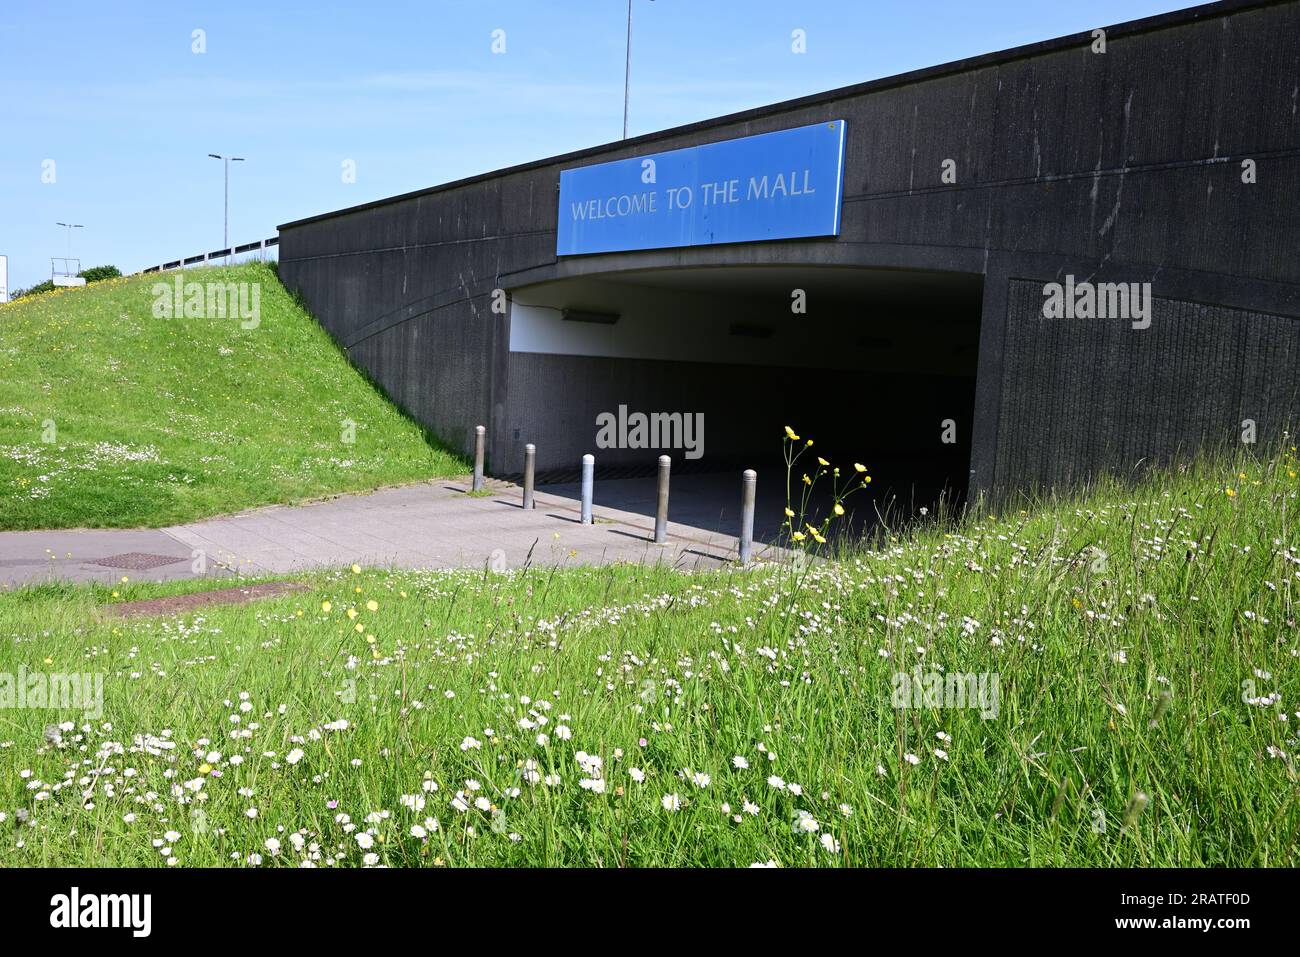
(225, 218)
(70, 227)
(627, 69)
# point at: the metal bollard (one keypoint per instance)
(479, 435)
(661, 500)
(530, 464)
(588, 479)
(748, 483)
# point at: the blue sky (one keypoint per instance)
(410, 91)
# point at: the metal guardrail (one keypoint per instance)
(260, 247)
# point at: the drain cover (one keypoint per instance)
(137, 561)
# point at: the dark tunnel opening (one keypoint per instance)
(876, 366)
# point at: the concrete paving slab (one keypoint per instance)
(427, 525)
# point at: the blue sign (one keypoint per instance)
(783, 185)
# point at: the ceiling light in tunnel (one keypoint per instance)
(588, 315)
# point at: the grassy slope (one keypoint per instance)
(1196, 596)
(162, 421)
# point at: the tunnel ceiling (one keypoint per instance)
(926, 290)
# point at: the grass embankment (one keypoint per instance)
(111, 417)
(1144, 646)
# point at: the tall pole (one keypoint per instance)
(225, 203)
(70, 227)
(627, 68)
(225, 212)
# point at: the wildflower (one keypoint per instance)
(838, 509)
(294, 756)
(749, 807)
(828, 841)
(739, 762)
(859, 467)
(806, 823)
(671, 802)
(372, 605)
(776, 782)
(789, 433)
(636, 774)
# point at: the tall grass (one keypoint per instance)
(1142, 639)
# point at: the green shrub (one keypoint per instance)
(40, 287)
(99, 273)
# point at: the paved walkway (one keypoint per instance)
(429, 525)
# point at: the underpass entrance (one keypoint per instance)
(709, 365)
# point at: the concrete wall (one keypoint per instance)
(1193, 377)
(1124, 165)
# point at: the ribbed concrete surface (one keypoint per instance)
(1081, 395)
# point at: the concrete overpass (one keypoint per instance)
(1170, 159)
